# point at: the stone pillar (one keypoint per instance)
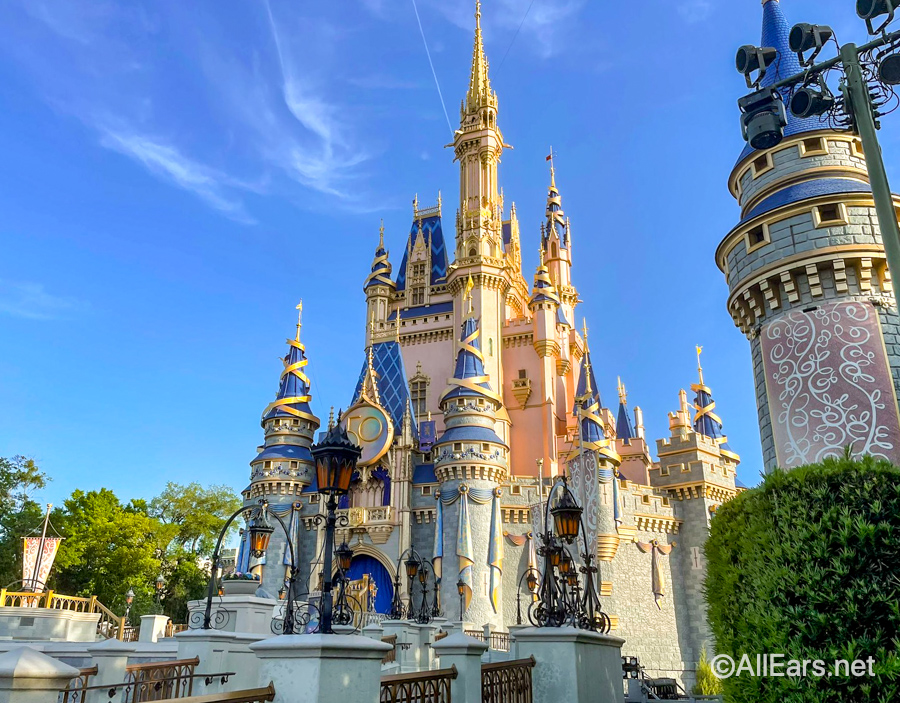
(464, 653)
(407, 640)
(579, 665)
(221, 651)
(321, 668)
(29, 676)
(153, 627)
(111, 658)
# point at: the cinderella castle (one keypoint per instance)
(477, 390)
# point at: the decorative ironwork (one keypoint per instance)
(565, 598)
(304, 620)
(423, 687)
(218, 619)
(507, 682)
(416, 568)
(109, 625)
(391, 656)
(157, 681)
(498, 641)
(75, 692)
(153, 685)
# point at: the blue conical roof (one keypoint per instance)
(706, 422)
(430, 228)
(556, 218)
(775, 33)
(381, 269)
(292, 399)
(587, 405)
(544, 290)
(624, 428)
(469, 378)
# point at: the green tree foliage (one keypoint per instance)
(806, 565)
(197, 512)
(20, 515)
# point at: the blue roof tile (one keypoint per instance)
(804, 191)
(432, 231)
(624, 428)
(423, 311)
(470, 433)
(424, 473)
(393, 390)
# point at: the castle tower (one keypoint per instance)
(557, 247)
(696, 468)
(480, 256)
(470, 463)
(378, 289)
(284, 465)
(806, 264)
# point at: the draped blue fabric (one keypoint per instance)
(382, 473)
(294, 532)
(242, 562)
(365, 564)
(438, 560)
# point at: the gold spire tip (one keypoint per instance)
(467, 296)
(584, 328)
(623, 395)
(478, 14)
(381, 235)
(299, 309)
(699, 365)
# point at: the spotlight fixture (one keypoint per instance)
(812, 101)
(763, 118)
(805, 36)
(754, 58)
(889, 70)
(870, 9)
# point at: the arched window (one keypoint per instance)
(554, 251)
(473, 252)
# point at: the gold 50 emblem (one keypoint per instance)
(368, 426)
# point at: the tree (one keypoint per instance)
(708, 684)
(20, 515)
(805, 565)
(109, 548)
(198, 513)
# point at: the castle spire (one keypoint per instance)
(624, 427)
(587, 403)
(292, 399)
(480, 94)
(380, 274)
(706, 422)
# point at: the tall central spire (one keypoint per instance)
(480, 94)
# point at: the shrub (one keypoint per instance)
(708, 684)
(807, 565)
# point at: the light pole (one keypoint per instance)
(129, 599)
(763, 115)
(160, 584)
(336, 458)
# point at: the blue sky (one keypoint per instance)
(178, 175)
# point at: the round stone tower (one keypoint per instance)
(809, 287)
(471, 462)
(283, 466)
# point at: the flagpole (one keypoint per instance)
(37, 561)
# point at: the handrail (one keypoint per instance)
(251, 695)
(450, 673)
(163, 664)
(529, 662)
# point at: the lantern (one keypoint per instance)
(566, 516)
(565, 563)
(336, 458)
(344, 556)
(572, 579)
(160, 583)
(129, 597)
(260, 534)
(461, 588)
(531, 581)
(412, 567)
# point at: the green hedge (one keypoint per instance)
(808, 565)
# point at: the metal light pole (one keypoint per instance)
(762, 107)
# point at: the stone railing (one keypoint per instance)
(422, 687)
(109, 625)
(76, 691)
(507, 682)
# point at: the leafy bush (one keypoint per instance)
(708, 684)
(808, 565)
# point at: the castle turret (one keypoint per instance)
(630, 444)
(470, 463)
(809, 287)
(378, 288)
(556, 244)
(283, 466)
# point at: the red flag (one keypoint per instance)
(549, 158)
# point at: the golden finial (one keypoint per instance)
(440, 202)
(584, 329)
(477, 14)
(470, 284)
(541, 254)
(416, 205)
(331, 418)
(381, 235)
(623, 396)
(299, 309)
(552, 169)
(699, 366)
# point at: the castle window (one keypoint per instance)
(418, 270)
(295, 422)
(515, 490)
(665, 501)
(418, 395)
(686, 469)
(426, 490)
(267, 464)
(485, 448)
(418, 296)
(857, 149)
(756, 237)
(554, 250)
(457, 447)
(830, 215)
(523, 374)
(761, 164)
(293, 464)
(663, 470)
(472, 252)
(645, 500)
(813, 146)
(314, 498)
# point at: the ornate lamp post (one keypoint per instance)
(530, 578)
(336, 458)
(414, 567)
(461, 590)
(563, 598)
(160, 585)
(129, 599)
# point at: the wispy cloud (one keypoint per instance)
(32, 302)
(695, 10)
(166, 161)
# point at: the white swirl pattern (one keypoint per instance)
(829, 384)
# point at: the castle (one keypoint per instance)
(477, 391)
(810, 288)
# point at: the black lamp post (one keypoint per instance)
(461, 590)
(530, 578)
(129, 599)
(160, 584)
(415, 568)
(563, 599)
(336, 458)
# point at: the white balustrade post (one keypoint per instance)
(30, 676)
(111, 658)
(321, 668)
(153, 628)
(586, 666)
(463, 652)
